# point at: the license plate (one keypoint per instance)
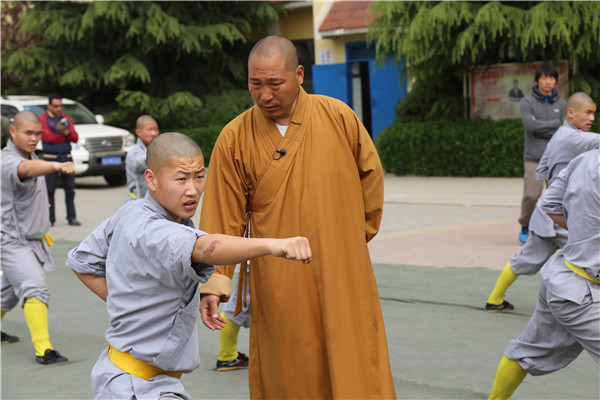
(116, 160)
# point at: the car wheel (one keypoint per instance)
(116, 179)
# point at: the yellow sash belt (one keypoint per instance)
(581, 272)
(49, 239)
(135, 366)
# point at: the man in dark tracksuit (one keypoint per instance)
(542, 113)
(58, 131)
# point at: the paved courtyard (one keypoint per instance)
(441, 245)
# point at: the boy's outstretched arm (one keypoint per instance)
(219, 249)
(96, 284)
(227, 250)
(32, 168)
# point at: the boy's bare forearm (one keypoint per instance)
(559, 219)
(96, 284)
(33, 168)
(227, 250)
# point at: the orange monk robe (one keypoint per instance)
(316, 330)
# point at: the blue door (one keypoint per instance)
(333, 80)
(386, 90)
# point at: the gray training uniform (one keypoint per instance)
(547, 237)
(135, 166)
(25, 220)
(567, 315)
(153, 296)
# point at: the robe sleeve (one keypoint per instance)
(224, 204)
(370, 172)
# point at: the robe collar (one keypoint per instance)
(299, 115)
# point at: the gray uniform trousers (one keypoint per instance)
(558, 331)
(23, 276)
(536, 251)
(243, 318)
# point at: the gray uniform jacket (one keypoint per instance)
(575, 193)
(566, 144)
(153, 297)
(135, 165)
(25, 215)
(549, 112)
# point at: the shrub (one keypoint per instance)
(217, 111)
(484, 148)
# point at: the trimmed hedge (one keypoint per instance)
(483, 148)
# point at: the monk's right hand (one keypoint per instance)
(209, 312)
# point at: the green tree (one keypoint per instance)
(441, 41)
(12, 38)
(134, 57)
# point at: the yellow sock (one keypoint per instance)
(36, 315)
(508, 378)
(506, 278)
(228, 340)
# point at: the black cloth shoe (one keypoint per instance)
(505, 306)
(74, 222)
(241, 361)
(50, 357)
(6, 338)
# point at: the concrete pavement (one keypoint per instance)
(437, 256)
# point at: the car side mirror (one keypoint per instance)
(100, 119)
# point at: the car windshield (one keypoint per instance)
(77, 114)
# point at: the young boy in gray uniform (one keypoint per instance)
(570, 140)
(25, 240)
(146, 129)
(146, 262)
(567, 316)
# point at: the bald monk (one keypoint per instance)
(570, 140)
(25, 222)
(146, 262)
(301, 163)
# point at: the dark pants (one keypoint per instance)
(68, 183)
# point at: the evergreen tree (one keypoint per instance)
(443, 40)
(150, 57)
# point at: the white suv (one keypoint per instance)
(101, 149)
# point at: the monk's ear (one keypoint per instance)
(151, 179)
(299, 74)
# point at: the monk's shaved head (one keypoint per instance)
(25, 116)
(170, 145)
(578, 100)
(272, 45)
(143, 120)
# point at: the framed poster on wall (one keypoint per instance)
(497, 89)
